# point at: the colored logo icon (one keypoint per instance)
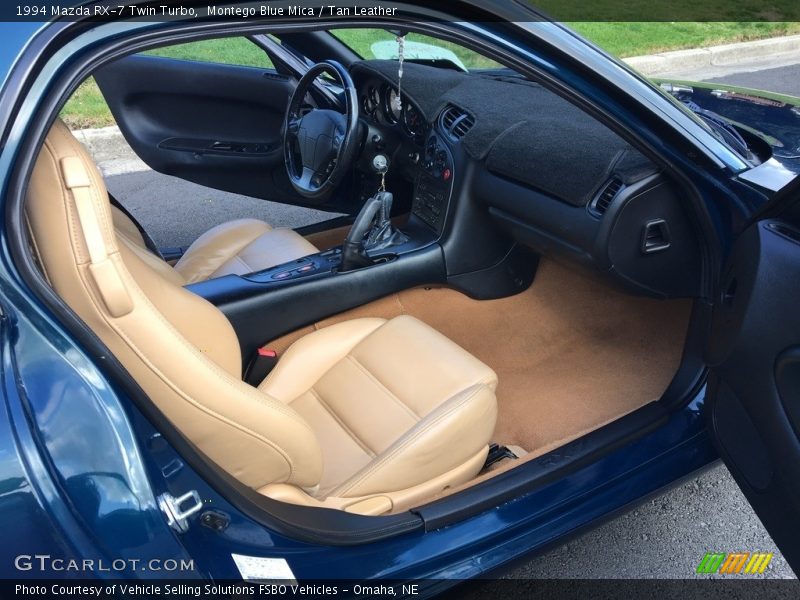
(735, 562)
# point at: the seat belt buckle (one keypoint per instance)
(261, 365)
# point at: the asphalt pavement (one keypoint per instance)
(664, 538)
(175, 212)
(783, 80)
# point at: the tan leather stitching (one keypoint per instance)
(362, 444)
(406, 440)
(35, 249)
(243, 261)
(176, 388)
(105, 226)
(212, 267)
(372, 377)
(67, 207)
(268, 378)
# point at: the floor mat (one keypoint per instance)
(571, 353)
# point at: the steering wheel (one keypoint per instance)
(319, 145)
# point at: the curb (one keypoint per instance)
(714, 56)
(110, 151)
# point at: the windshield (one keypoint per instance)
(382, 44)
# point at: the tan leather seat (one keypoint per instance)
(232, 248)
(367, 415)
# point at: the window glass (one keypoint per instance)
(229, 51)
(379, 43)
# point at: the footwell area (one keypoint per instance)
(571, 353)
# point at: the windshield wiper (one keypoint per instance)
(722, 128)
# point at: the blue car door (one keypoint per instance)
(754, 354)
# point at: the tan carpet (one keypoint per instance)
(571, 353)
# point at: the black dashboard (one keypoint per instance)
(533, 167)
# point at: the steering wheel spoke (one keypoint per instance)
(306, 179)
(292, 125)
(312, 138)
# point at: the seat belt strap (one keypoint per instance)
(104, 272)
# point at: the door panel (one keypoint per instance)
(218, 125)
(754, 388)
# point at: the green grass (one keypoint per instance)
(667, 12)
(232, 50)
(636, 38)
(86, 108)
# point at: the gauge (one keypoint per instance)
(371, 101)
(413, 120)
(392, 109)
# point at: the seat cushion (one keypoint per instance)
(239, 247)
(393, 403)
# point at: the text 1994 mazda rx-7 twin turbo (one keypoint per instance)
(556, 288)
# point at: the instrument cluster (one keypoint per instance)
(383, 104)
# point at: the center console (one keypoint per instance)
(266, 304)
(434, 184)
(263, 306)
(302, 268)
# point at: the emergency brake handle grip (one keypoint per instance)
(353, 255)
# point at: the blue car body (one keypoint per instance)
(81, 467)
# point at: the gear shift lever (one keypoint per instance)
(353, 253)
(383, 234)
(373, 223)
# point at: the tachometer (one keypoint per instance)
(391, 105)
(414, 121)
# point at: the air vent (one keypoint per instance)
(607, 193)
(456, 122)
(655, 236)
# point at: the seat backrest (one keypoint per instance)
(127, 234)
(181, 349)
